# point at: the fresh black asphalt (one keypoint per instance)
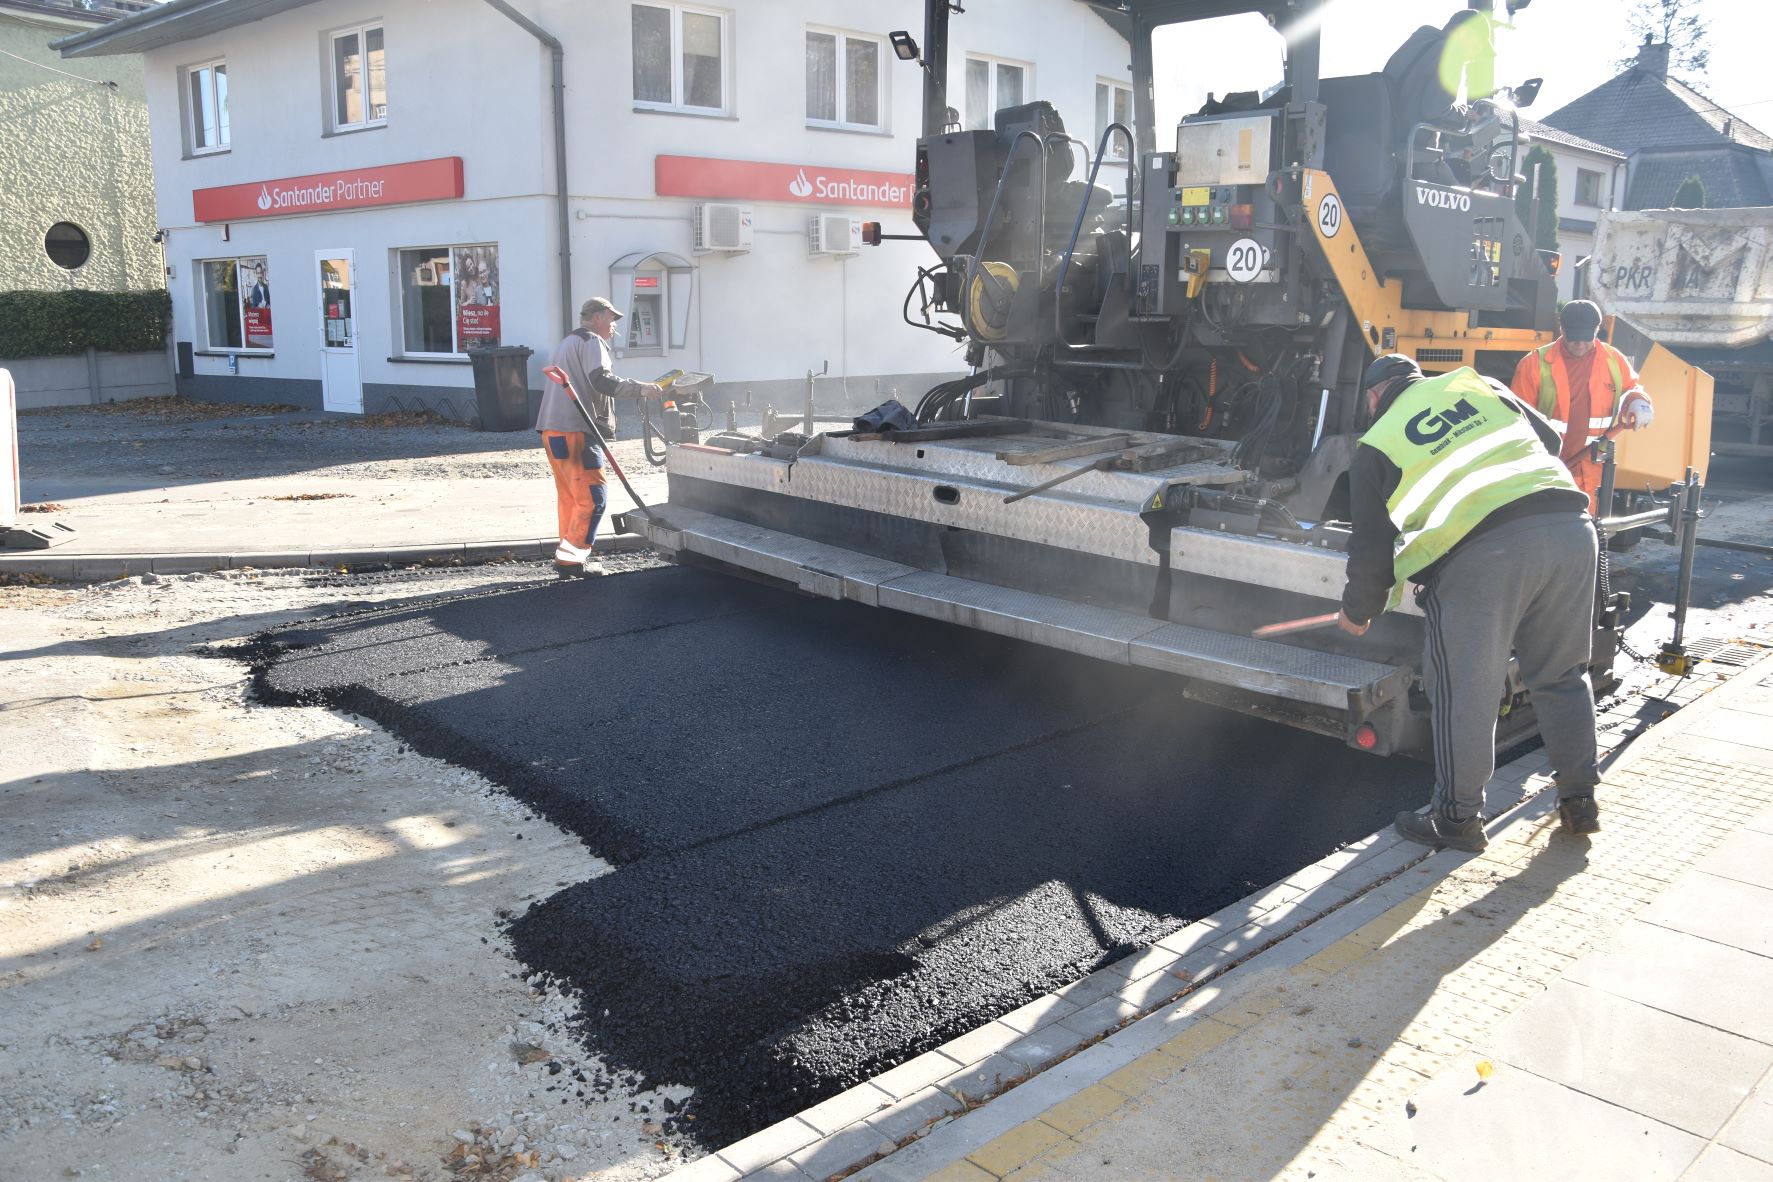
(843, 836)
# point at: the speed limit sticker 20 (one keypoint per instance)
(1329, 215)
(1243, 262)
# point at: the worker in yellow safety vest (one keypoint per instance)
(1456, 487)
(1587, 389)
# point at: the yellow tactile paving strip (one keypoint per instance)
(1322, 1049)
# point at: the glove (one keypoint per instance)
(1638, 412)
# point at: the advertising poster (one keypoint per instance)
(477, 296)
(256, 302)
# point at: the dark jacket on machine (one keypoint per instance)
(1372, 478)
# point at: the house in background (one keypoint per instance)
(1670, 132)
(1588, 181)
(76, 175)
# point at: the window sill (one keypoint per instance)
(243, 354)
(430, 361)
(208, 154)
(333, 132)
(692, 112)
(877, 132)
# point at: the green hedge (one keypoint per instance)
(60, 323)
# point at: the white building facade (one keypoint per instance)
(351, 195)
(1590, 178)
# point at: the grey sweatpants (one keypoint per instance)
(1526, 586)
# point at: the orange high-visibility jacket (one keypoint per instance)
(1542, 380)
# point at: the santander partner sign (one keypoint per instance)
(756, 180)
(356, 188)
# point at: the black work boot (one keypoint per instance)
(1579, 815)
(1428, 829)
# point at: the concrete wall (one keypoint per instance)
(757, 321)
(72, 151)
(90, 379)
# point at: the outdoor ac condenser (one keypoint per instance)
(829, 234)
(721, 227)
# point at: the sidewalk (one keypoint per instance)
(1555, 1007)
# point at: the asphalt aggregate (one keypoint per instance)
(842, 836)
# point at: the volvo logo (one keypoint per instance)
(1429, 425)
(1443, 199)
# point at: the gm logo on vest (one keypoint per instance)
(1429, 426)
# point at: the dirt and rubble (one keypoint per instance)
(245, 943)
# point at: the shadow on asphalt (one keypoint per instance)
(843, 835)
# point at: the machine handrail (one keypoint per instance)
(1077, 226)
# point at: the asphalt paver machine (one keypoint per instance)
(1147, 458)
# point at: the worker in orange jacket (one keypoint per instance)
(1586, 387)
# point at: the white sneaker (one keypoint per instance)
(568, 554)
(594, 569)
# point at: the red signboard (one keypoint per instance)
(477, 324)
(258, 328)
(355, 188)
(754, 180)
(646, 281)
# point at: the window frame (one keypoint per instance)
(841, 76)
(992, 100)
(334, 124)
(1116, 152)
(210, 348)
(1599, 186)
(192, 114)
(676, 105)
(455, 318)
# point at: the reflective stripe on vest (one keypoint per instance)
(1463, 454)
(1548, 391)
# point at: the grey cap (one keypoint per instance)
(1580, 320)
(598, 304)
(1387, 368)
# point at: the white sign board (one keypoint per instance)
(9, 448)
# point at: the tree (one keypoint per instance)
(1674, 23)
(1691, 194)
(1545, 230)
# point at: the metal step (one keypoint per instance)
(1327, 680)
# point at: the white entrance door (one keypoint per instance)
(341, 388)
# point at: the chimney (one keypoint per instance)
(1653, 58)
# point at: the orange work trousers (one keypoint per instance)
(578, 484)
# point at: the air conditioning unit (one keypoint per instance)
(829, 234)
(721, 227)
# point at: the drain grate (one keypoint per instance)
(1739, 654)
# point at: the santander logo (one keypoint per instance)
(800, 186)
(265, 197)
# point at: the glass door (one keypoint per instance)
(341, 386)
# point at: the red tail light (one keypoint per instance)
(1365, 737)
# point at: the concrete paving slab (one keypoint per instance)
(1518, 1125)
(1751, 1130)
(1744, 727)
(1744, 857)
(1718, 1164)
(1723, 910)
(1685, 975)
(1621, 1051)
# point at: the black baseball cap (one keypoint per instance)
(1580, 320)
(1389, 368)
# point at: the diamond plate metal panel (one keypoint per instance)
(1261, 666)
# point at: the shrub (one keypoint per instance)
(61, 323)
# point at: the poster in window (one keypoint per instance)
(255, 302)
(477, 296)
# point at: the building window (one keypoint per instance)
(993, 85)
(235, 299)
(1114, 104)
(67, 246)
(449, 299)
(844, 80)
(206, 108)
(679, 58)
(1588, 187)
(359, 79)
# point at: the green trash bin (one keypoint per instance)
(501, 386)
